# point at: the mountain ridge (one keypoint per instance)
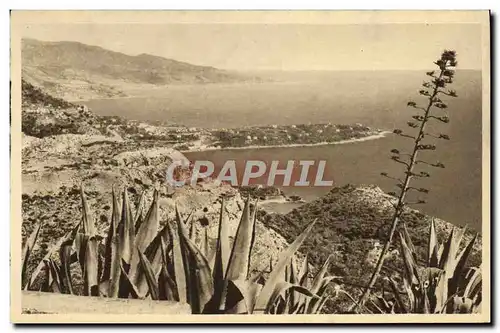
(77, 71)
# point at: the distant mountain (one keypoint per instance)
(78, 71)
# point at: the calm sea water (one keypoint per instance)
(376, 99)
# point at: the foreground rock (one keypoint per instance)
(51, 303)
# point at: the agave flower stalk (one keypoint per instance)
(433, 90)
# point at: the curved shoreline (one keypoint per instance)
(380, 135)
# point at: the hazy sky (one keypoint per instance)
(280, 46)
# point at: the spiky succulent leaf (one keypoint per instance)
(433, 247)
(150, 276)
(200, 284)
(279, 290)
(145, 235)
(111, 260)
(138, 212)
(249, 291)
(178, 261)
(88, 223)
(409, 263)
(277, 273)
(47, 256)
(28, 248)
(126, 232)
(240, 254)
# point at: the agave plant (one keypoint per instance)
(444, 285)
(135, 260)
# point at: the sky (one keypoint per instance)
(392, 46)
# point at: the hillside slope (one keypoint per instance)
(352, 226)
(76, 71)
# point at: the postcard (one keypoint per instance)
(250, 167)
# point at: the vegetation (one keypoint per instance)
(33, 95)
(285, 135)
(136, 260)
(444, 285)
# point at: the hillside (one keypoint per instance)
(352, 225)
(76, 71)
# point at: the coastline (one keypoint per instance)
(201, 148)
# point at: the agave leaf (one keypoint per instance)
(440, 292)
(291, 297)
(325, 282)
(49, 254)
(204, 246)
(474, 279)
(433, 250)
(192, 231)
(65, 257)
(150, 276)
(409, 263)
(115, 270)
(397, 295)
(319, 290)
(447, 260)
(239, 259)
(138, 213)
(28, 248)
(221, 257)
(304, 272)
(126, 233)
(200, 284)
(183, 234)
(88, 222)
(279, 290)
(269, 287)
(80, 246)
(409, 242)
(153, 254)
(65, 251)
(379, 303)
(461, 305)
(461, 260)
(50, 283)
(320, 305)
(126, 286)
(111, 260)
(249, 291)
(320, 275)
(410, 294)
(240, 254)
(293, 271)
(55, 272)
(145, 235)
(178, 260)
(166, 285)
(90, 271)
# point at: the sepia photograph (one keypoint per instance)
(250, 167)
